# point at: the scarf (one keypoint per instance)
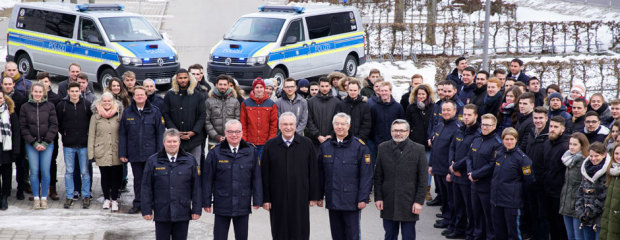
(107, 113)
(221, 95)
(591, 169)
(421, 105)
(615, 169)
(507, 108)
(5, 128)
(570, 159)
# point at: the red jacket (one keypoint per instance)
(259, 119)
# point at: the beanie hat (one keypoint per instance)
(303, 83)
(555, 95)
(579, 87)
(258, 81)
(269, 82)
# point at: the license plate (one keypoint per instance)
(162, 80)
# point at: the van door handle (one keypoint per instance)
(68, 42)
(313, 43)
(77, 44)
(305, 45)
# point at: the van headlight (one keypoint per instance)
(131, 60)
(257, 60)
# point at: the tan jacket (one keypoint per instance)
(103, 140)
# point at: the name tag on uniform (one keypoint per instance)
(475, 150)
(497, 163)
(526, 170)
(459, 139)
(129, 119)
(160, 168)
(367, 158)
(222, 161)
(327, 156)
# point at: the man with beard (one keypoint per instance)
(151, 91)
(222, 106)
(184, 110)
(477, 98)
(356, 107)
(553, 176)
(594, 130)
(463, 224)
(320, 112)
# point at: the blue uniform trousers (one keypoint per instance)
(506, 223)
(222, 224)
(345, 225)
(483, 223)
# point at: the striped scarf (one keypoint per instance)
(5, 128)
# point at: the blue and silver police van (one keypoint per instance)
(103, 38)
(288, 41)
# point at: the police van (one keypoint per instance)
(104, 39)
(287, 41)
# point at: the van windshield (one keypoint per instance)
(254, 29)
(129, 29)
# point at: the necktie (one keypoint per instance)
(172, 159)
(235, 151)
(288, 143)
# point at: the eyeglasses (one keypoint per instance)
(234, 132)
(487, 125)
(400, 130)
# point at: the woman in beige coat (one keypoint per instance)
(103, 147)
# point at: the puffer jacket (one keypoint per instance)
(572, 180)
(38, 122)
(604, 114)
(259, 119)
(590, 198)
(219, 111)
(9, 156)
(320, 113)
(298, 106)
(103, 137)
(185, 111)
(611, 212)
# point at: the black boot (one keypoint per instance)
(4, 203)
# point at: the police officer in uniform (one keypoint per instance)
(513, 170)
(346, 173)
(232, 176)
(171, 188)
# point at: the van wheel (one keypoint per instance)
(279, 75)
(350, 66)
(24, 65)
(105, 76)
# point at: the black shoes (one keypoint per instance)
(434, 202)
(134, 210)
(439, 215)
(454, 235)
(4, 203)
(440, 225)
(20, 195)
(446, 232)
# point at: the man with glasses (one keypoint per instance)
(292, 102)
(400, 181)
(594, 130)
(232, 178)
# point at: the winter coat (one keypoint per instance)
(454, 76)
(481, 161)
(361, 118)
(419, 120)
(505, 117)
(220, 109)
(466, 91)
(259, 119)
(404, 100)
(554, 169)
(320, 113)
(436, 117)
(572, 181)
(604, 114)
(73, 120)
(536, 152)
(232, 179)
(23, 85)
(156, 101)
(184, 110)
(459, 148)
(522, 77)
(346, 173)
(524, 126)
(53, 97)
(401, 178)
(490, 105)
(512, 173)
(597, 135)
(171, 190)
(103, 137)
(383, 114)
(590, 199)
(19, 100)
(140, 135)
(368, 90)
(64, 86)
(560, 112)
(477, 97)
(297, 106)
(441, 139)
(38, 122)
(7, 157)
(611, 217)
(579, 125)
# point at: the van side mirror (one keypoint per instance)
(94, 39)
(290, 40)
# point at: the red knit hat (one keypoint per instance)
(257, 81)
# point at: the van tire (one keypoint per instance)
(105, 76)
(350, 66)
(24, 65)
(280, 75)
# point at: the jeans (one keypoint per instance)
(259, 150)
(428, 160)
(69, 154)
(39, 162)
(572, 228)
(589, 233)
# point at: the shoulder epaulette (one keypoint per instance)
(362, 142)
(212, 147)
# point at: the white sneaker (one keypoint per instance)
(114, 206)
(106, 204)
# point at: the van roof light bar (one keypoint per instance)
(100, 7)
(291, 9)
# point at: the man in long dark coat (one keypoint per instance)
(290, 181)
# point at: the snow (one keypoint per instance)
(7, 3)
(399, 74)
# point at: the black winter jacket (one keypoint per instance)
(536, 152)
(419, 119)
(38, 122)
(459, 148)
(590, 199)
(320, 112)
(554, 169)
(73, 122)
(383, 114)
(524, 125)
(361, 119)
(185, 110)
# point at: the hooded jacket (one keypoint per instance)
(103, 136)
(297, 106)
(590, 199)
(220, 109)
(185, 111)
(259, 119)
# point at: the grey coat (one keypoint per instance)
(572, 180)
(219, 111)
(297, 106)
(400, 179)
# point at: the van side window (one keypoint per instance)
(89, 31)
(331, 24)
(58, 24)
(295, 29)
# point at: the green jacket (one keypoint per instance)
(610, 221)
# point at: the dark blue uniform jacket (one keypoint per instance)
(459, 148)
(140, 135)
(441, 140)
(513, 171)
(480, 160)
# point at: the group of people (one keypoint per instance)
(509, 159)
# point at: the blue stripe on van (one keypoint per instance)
(317, 48)
(62, 46)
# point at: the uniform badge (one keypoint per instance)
(222, 161)
(526, 170)
(327, 156)
(367, 158)
(497, 163)
(160, 168)
(362, 142)
(162, 121)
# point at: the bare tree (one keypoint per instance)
(431, 21)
